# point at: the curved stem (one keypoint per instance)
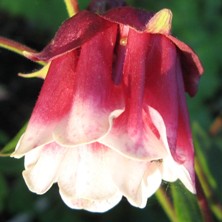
(17, 47)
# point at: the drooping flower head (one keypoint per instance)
(111, 119)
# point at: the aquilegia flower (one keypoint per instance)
(111, 119)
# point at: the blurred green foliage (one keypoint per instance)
(197, 23)
(46, 14)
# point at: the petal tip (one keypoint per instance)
(161, 22)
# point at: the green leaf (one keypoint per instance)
(10, 147)
(185, 204)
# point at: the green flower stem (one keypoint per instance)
(215, 206)
(166, 204)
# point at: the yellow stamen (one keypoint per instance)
(123, 41)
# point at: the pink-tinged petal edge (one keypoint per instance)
(95, 94)
(139, 137)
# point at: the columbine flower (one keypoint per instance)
(111, 119)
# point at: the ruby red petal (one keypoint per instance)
(57, 91)
(161, 83)
(55, 100)
(73, 33)
(139, 137)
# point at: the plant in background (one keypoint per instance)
(111, 119)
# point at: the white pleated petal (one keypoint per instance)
(84, 181)
(41, 167)
(94, 177)
(127, 174)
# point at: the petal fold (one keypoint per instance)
(139, 136)
(191, 66)
(38, 177)
(95, 96)
(134, 18)
(161, 83)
